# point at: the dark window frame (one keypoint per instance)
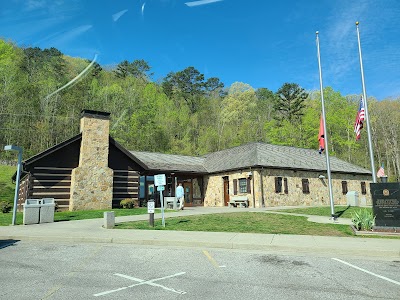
(305, 184)
(243, 185)
(278, 185)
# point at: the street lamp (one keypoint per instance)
(19, 167)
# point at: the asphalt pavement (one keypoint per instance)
(93, 231)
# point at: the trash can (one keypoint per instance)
(47, 210)
(31, 211)
(352, 198)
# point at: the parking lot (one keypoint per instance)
(43, 270)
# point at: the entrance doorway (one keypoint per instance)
(226, 190)
(188, 189)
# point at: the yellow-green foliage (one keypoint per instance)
(127, 203)
(7, 187)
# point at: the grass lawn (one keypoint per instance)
(7, 188)
(250, 222)
(340, 211)
(5, 219)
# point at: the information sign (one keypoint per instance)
(159, 179)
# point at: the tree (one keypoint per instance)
(289, 102)
(138, 68)
(122, 70)
(187, 84)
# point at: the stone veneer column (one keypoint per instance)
(92, 180)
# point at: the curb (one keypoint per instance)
(287, 248)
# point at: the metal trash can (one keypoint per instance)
(31, 211)
(352, 198)
(47, 210)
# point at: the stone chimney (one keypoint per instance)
(92, 180)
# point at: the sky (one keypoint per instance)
(261, 43)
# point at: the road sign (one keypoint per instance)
(159, 179)
(160, 188)
(150, 207)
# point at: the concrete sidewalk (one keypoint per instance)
(92, 231)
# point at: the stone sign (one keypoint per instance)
(386, 203)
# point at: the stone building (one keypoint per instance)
(93, 171)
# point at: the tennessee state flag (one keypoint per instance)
(321, 136)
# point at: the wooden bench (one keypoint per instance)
(238, 200)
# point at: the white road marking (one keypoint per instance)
(141, 282)
(368, 272)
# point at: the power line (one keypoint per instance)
(39, 116)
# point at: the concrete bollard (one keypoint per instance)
(109, 219)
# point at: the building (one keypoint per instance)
(93, 171)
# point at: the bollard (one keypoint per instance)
(109, 219)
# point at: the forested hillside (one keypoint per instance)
(185, 113)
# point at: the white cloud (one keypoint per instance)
(71, 34)
(118, 15)
(201, 2)
(144, 4)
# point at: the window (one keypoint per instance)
(243, 185)
(363, 188)
(344, 187)
(278, 184)
(285, 185)
(305, 185)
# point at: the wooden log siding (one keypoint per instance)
(125, 186)
(50, 182)
(24, 187)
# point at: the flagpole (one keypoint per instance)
(371, 153)
(328, 164)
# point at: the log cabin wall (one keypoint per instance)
(51, 182)
(125, 186)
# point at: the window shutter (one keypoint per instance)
(344, 187)
(285, 185)
(248, 186)
(363, 188)
(278, 184)
(235, 186)
(306, 187)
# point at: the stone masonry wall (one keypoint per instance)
(92, 180)
(263, 182)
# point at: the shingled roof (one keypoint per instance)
(274, 156)
(172, 163)
(246, 156)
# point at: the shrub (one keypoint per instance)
(127, 203)
(363, 219)
(5, 207)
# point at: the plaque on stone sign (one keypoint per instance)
(386, 204)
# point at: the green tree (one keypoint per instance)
(289, 102)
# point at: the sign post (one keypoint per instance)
(160, 182)
(150, 210)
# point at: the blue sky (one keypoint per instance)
(262, 43)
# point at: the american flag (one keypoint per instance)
(359, 119)
(381, 172)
